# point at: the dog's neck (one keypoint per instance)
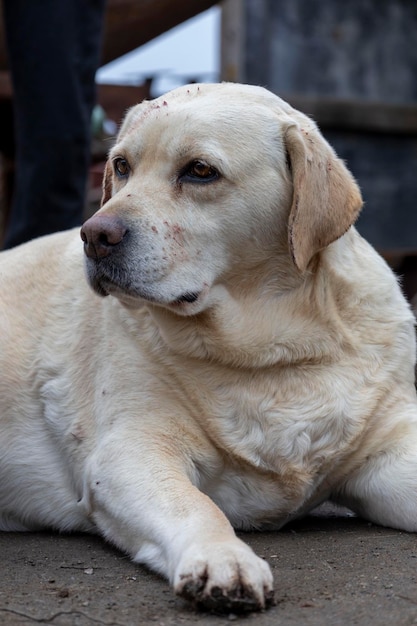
(256, 329)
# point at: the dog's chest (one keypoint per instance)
(278, 438)
(272, 421)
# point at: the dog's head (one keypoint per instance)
(206, 184)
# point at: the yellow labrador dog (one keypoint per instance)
(254, 358)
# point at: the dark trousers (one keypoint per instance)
(54, 51)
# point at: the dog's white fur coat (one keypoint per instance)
(161, 421)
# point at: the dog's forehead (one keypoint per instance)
(221, 93)
(208, 105)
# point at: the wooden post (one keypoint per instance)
(232, 41)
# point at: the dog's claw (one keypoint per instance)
(237, 600)
(225, 580)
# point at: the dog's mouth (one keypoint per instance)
(188, 297)
(105, 287)
(109, 280)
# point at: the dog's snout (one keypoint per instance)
(101, 234)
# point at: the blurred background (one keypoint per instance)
(351, 65)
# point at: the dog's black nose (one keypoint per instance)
(101, 234)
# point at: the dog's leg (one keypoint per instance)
(384, 489)
(151, 509)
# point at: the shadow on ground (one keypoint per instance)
(328, 570)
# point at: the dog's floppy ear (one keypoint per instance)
(326, 199)
(107, 185)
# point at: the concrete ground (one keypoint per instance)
(328, 570)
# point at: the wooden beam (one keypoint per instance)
(356, 114)
(132, 23)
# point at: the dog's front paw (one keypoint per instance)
(224, 577)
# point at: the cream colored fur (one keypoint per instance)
(162, 423)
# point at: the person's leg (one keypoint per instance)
(54, 52)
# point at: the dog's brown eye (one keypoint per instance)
(199, 171)
(121, 167)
